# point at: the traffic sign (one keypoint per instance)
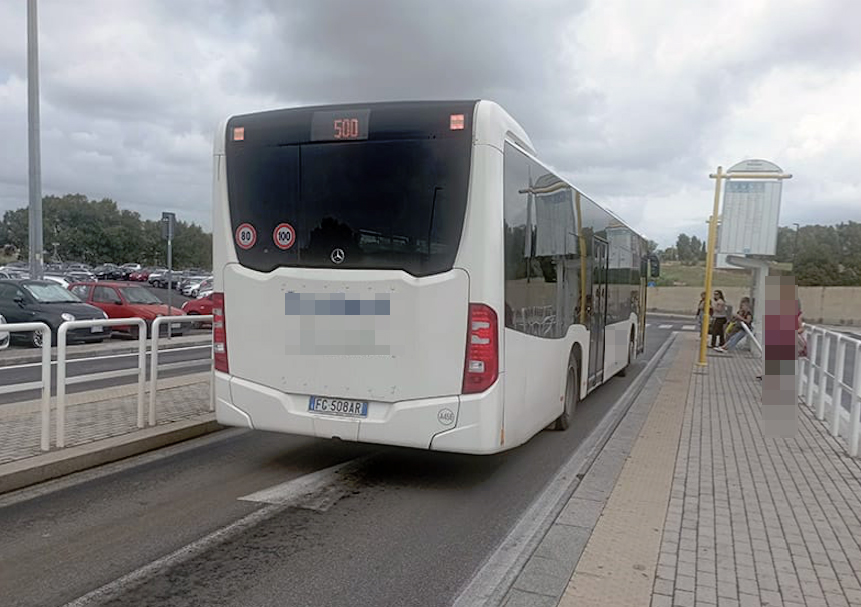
(284, 236)
(246, 236)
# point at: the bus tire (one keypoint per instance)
(623, 372)
(572, 394)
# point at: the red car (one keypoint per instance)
(198, 306)
(202, 305)
(127, 300)
(140, 275)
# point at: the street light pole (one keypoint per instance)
(35, 224)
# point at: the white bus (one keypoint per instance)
(411, 274)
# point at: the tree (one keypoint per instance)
(98, 231)
(651, 246)
(683, 248)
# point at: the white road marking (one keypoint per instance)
(105, 357)
(689, 327)
(316, 491)
(648, 324)
(665, 327)
(287, 495)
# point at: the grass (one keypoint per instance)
(674, 274)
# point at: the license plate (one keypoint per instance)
(98, 329)
(338, 406)
(175, 325)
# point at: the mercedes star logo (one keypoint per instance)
(337, 256)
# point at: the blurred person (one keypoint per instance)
(718, 304)
(701, 307)
(744, 316)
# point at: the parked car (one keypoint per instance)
(203, 294)
(158, 278)
(47, 302)
(191, 286)
(126, 300)
(79, 276)
(108, 271)
(60, 280)
(141, 275)
(128, 268)
(4, 335)
(201, 305)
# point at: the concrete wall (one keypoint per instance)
(827, 305)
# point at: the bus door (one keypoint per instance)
(598, 316)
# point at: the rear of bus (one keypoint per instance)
(341, 310)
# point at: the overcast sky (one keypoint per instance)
(634, 101)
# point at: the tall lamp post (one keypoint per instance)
(35, 225)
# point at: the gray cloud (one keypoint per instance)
(636, 104)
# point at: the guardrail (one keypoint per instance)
(63, 380)
(153, 373)
(827, 401)
(61, 367)
(44, 383)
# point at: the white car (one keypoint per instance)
(203, 294)
(58, 279)
(4, 335)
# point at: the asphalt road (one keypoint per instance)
(404, 527)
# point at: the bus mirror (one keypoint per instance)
(654, 266)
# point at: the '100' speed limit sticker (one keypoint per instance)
(246, 236)
(284, 236)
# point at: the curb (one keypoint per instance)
(491, 584)
(36, 355)
(41, 468)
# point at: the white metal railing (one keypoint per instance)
(62, 361)
(44, 384)
(153, 373)
(827, 402)
(61, 367)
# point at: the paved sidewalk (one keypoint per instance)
(708, 511)
(101, 427)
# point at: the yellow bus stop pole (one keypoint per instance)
(710, 262)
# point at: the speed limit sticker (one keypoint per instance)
(284, 236)
(246, 236)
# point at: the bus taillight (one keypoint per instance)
(481, 367)
(219, 333)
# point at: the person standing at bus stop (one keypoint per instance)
(719, 307)
(701, 307)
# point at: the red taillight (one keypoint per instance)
(219, 333)
(481, 367)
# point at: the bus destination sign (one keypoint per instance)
(340, 125)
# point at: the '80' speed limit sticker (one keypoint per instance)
(284, 236)
(246, 236)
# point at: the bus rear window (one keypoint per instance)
(374, 204)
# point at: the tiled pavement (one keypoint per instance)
(749, 520)
(100, 414)
(755, 520)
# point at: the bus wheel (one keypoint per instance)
(572, 395)
(624, 370)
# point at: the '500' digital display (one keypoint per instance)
(341, 125)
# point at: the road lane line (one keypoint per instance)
(688, 327)
(105, 357)
(287, 497)
(665, 327)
